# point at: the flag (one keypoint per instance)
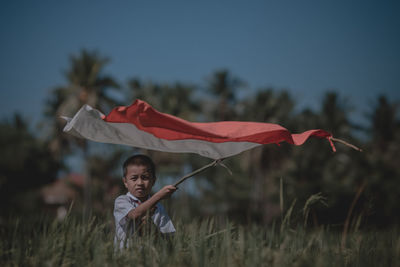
(140, 125)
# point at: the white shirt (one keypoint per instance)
(125, 227)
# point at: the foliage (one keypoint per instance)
(86, 84)
(26, 163)
(251, 194)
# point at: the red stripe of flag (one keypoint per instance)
(169, 127)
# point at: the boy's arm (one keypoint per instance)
(143, 208)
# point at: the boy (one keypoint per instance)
(133, 210)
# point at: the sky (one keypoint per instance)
(306, 47)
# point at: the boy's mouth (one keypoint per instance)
(140, 190)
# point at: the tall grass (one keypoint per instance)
(44, 242)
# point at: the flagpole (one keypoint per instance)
(212, 164)
(346, 143)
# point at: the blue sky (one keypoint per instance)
(307, 47)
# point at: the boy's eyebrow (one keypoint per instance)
(147, 172)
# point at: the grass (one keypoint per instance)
(71, 242)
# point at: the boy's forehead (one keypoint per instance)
(138, 168)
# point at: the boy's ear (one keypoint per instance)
(124, 180)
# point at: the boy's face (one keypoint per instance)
(139, 181)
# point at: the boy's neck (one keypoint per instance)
(141, 199)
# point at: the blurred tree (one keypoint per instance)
(86, 85)
(218, 191)
(178, 100)
(25, 164)
(380, 167)
(223, 88)
(270, 106)
(265, 164)
(106, 173)
(251, 192)
(384, 123)
(315, 168)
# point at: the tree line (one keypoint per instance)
(353, 188)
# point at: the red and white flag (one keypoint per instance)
(140, 125)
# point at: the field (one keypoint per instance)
(72, 242)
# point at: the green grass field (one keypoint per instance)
(76, 243)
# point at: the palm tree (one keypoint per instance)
(383, 171)
(25, 165)
(384, 122)
(177, 99)
(224, 87)
(265, 163)
(315, 168)
(86, 84)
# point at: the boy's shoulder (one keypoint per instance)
(122, 199)
(127, 198)
(124, 196)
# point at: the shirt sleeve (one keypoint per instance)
(162, 220)
(122, 207)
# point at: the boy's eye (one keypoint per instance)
(145, 177)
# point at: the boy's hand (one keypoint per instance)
(166, 191)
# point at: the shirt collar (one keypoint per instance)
(135, 199)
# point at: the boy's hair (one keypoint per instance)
(140, 160)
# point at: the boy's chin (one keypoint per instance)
(139, 194)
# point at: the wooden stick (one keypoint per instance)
(212, 164)
(215, 162)
(346, 144)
